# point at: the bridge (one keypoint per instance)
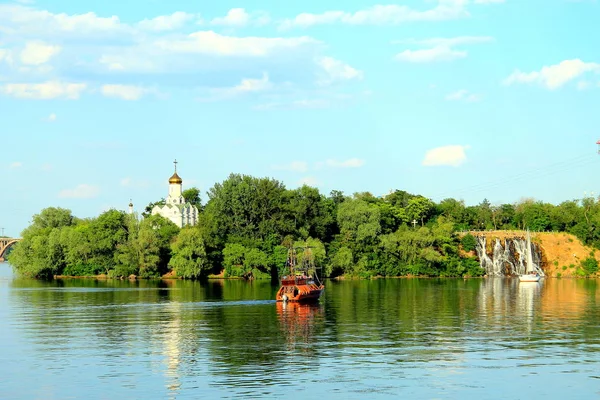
(5, 243)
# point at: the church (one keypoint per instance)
(176, 209)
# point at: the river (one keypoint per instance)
(409, 338)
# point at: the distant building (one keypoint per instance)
(176, 209)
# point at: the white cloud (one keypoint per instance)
(295, 104)
(51, 117)
(309, 181)
(6, 55)
(439, 49)
(350, 163)
(336, 70)
(247, 85)
(448, 42)
(235, 17)
(463, 95)
(583, 85)
(47, 167)
(209, 42)
(25, 20)
(44, 91)
(554, 76)
(83, 191)
(489, 1)
(295, 166)
(36, 53)
(166, 22)
(15, 165)
(381, 15)
(124, 92)
(238, 17)
(453, 156)
(439, 53)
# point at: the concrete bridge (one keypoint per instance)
(5, 243)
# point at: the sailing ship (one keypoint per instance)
(302, 284)
(531, 274)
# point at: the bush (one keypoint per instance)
(468, 242)
(82, 270)
(589, 266)
(122, 271)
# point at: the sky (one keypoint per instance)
(469, 99)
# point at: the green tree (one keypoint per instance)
(341, 262)
(419, 208)
(148, 209)
(233, 259)
(468, 242)
(189, 254)
(247, 207)
(192, 196)
(308, 208)
(358, 221)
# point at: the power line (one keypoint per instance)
(560, 166)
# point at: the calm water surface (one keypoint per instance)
(418, 338)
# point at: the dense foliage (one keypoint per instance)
(248, 223)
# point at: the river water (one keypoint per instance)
(414, 338)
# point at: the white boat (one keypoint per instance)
(529, 277)
(532, 274)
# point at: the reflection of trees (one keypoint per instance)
(231, 333)
(401, 313)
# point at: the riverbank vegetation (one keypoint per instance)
(247, 224)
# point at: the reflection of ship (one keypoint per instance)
(302, 284)
(299, 321)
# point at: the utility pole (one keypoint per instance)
(2, 231)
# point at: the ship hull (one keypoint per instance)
(300, 293)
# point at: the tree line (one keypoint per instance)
(248, 224)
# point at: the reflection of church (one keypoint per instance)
(176, 209)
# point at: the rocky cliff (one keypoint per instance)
(502, 253)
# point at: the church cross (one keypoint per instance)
(175, 162)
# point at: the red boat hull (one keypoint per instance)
(303, 292)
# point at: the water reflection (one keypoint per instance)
(172, 339)
(417, 338)
(300, 323)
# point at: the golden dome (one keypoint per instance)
(175, 179)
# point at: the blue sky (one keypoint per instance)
(469, 99)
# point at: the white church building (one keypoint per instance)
(176, 209)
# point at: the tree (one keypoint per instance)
(53, 217)
(189, 254)
(308, 208)
(148, 210)
(452, 209)
(41, 253)
(192, 196)
(419, 208)
(247, 207)
(358, 221)
(147, 250)
(106, 234)
(342, 261)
